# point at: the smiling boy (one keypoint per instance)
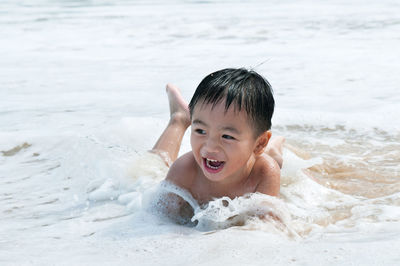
(232, 155)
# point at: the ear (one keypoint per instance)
(262, 142)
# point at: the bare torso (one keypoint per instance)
(263, 178)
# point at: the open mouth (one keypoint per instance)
(213, 166)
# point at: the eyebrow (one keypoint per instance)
(198, 121)
(231, 129)
(225, 128)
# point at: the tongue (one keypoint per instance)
(215, 164)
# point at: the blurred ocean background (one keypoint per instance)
(82, 98)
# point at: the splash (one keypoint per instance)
(305, 205)
(254, 211)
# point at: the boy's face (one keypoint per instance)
(223, 143)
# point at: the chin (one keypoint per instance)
(214, 177)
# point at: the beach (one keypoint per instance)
(82, 88)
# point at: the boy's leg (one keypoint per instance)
(169, 143)
(274, 149)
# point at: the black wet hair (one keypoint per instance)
(245, 88)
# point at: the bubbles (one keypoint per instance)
(253, 211)
(307, 205)
(171, 202)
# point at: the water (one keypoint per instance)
(82, 99)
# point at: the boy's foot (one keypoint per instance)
(274, 149)
(178, 107)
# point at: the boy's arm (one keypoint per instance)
(174, 206)
(270, 173)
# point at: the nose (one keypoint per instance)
(211, 145)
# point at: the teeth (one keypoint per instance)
(212, 167)
(208, 161)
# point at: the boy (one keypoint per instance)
(232, 155)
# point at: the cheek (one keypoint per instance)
(240, 151)
(194, 142)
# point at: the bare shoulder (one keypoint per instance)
(174, 206)
(182, 172)
(269, 173)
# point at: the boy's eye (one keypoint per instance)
(227, 137)
(200, 131)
